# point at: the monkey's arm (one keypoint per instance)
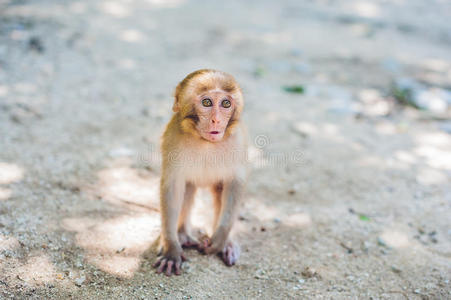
(172, 191)
(221, 241)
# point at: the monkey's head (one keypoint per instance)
(209, 103)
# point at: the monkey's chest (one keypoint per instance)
(209, 167)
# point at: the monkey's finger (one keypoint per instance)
(204, 243)
(227, 256)
(183, 257)
(157, 262)
(169, 268)
(162, 265)
(231, 254)
(178, 271)
(230, 258)
(224, 256)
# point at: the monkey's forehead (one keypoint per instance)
(214, 81)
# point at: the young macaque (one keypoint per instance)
(204, 145)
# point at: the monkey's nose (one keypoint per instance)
(215, 120)
(215, 117)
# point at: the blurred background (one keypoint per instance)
(348, 111)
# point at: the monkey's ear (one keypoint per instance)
(175, 107)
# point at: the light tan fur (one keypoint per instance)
(202, 147)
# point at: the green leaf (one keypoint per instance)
(364, 218)
(404, 96)
(296, 89)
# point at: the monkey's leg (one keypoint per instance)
(185, 236)
(216, 190)
(221, 241)
(171, 203)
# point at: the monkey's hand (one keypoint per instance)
(171, 260)
(229, 251)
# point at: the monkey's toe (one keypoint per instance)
(231, 253)
(169, 265)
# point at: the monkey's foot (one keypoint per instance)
(229, 253)
(171, 263)
(187, 240)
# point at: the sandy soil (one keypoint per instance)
(350, 193)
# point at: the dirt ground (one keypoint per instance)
(350, 192)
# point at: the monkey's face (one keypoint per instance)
(209, 104)
(214, 110)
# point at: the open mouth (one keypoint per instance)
(214, 132)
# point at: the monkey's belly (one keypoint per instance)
(204, 175)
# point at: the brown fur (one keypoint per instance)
(190, 160)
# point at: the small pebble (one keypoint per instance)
(364, 246)
(309, 272)
(381, 242)
(34, 43)
(79, 281)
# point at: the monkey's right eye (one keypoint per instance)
(207, 102)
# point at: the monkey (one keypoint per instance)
(203, 146)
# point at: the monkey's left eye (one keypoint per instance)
(207, 102)
(226, 103)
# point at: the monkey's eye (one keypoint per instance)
(207, 102)
(226, 103)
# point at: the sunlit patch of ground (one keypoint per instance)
(395, 239)
(10, 173)
(5, 193)
(37, 270)
(115, 245)
(8, 243)
(128, 187)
